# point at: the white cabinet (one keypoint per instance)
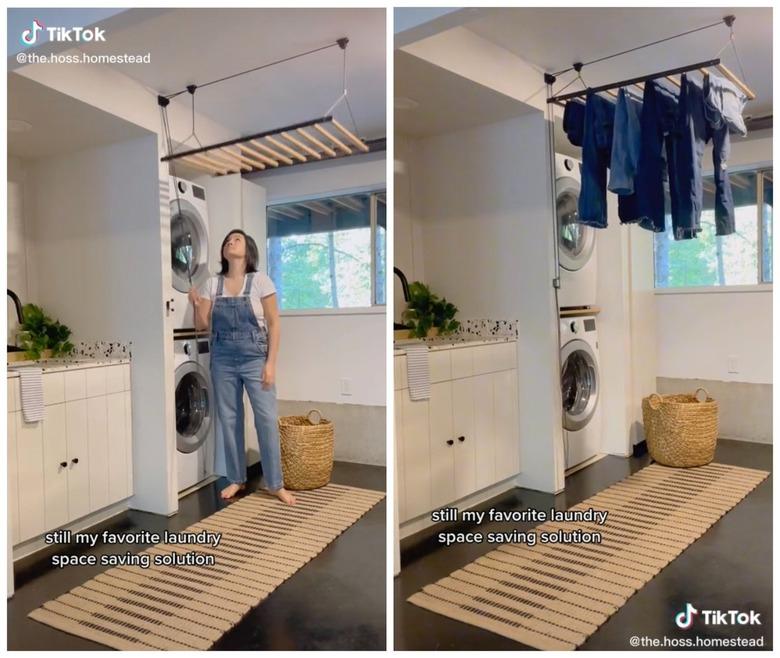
(13, 479)
(442, 444)
(55, 466)
(464, 448)
(416, 456)
(78, 459)
(29, 477)
(465, 437)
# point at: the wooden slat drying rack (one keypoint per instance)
(324, 138)
(319, 139)
(639, 81)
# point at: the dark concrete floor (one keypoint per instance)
(335, 602)
(729, 567)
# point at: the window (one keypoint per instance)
(329, 252)
(743, 258)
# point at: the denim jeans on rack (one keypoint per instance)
(596, 153)
(657, 156)
(723, 104)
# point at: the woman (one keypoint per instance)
(239, 306)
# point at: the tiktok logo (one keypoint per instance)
(29, 37)
(684, 619)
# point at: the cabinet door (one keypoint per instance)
(465, 471)
(117, 447)
(97, 435)
(416, 456)
(13, 475)
(399, 455)
(484, 430)
(442, 444)
(506, 419)
(78, 459)
(129, 436)
(29, 456)
(55, 467)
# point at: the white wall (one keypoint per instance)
(20, 276)
(698, 332)
(487, 239)
(101, 260)
(317, 350)
(407, 229)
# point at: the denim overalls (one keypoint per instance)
(239, 347)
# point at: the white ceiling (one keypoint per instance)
(198, 45)
(554, 38)
(60, 123)
(447, 101)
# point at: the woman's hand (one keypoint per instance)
(269, 375)
(194, 296)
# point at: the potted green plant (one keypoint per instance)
(426, 311)
(41, 336)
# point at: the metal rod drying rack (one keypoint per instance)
(668, 74)
(319, 139)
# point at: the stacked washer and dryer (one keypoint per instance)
(194, 398)
(580, 374)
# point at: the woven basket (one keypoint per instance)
(681, 430)
(307, 450)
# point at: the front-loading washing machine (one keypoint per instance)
(194, 413)
(189, 246)
(580, 389)
(576, 242)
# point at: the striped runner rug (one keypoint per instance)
(264, 542)
(554, 596)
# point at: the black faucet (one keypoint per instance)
(407, 296)
(19, 315)
(17, 303)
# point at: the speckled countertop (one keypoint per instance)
(59, 365)
(448, 342)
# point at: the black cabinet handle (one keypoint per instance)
(450, 442)
(75, 460)
(63, 464)
(461, 439)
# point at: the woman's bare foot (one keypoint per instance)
(284, 495)
(231, 490)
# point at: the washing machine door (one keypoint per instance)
(189, 245)
(575, 240)
(193, 406)
(579, 384)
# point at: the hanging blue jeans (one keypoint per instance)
(574, 121)
(239, 348)
(596, 153)
(626, 140)
(723, 105)
(659, 126)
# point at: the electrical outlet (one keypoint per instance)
(732, 362)
(346, 386)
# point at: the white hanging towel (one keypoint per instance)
(32, 393)
(418, 373)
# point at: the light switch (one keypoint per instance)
(346, 386)
(733, 366)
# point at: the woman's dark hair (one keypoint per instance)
(252, 254)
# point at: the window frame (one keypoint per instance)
(759, 169)
(372, 191)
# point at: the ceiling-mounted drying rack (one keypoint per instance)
(323, 138)
(702, 67)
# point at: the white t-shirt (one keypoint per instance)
(262, 286)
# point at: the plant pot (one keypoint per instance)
(14, 357)
(406, 334)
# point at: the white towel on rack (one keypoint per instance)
(418, 373)
(32, 394)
